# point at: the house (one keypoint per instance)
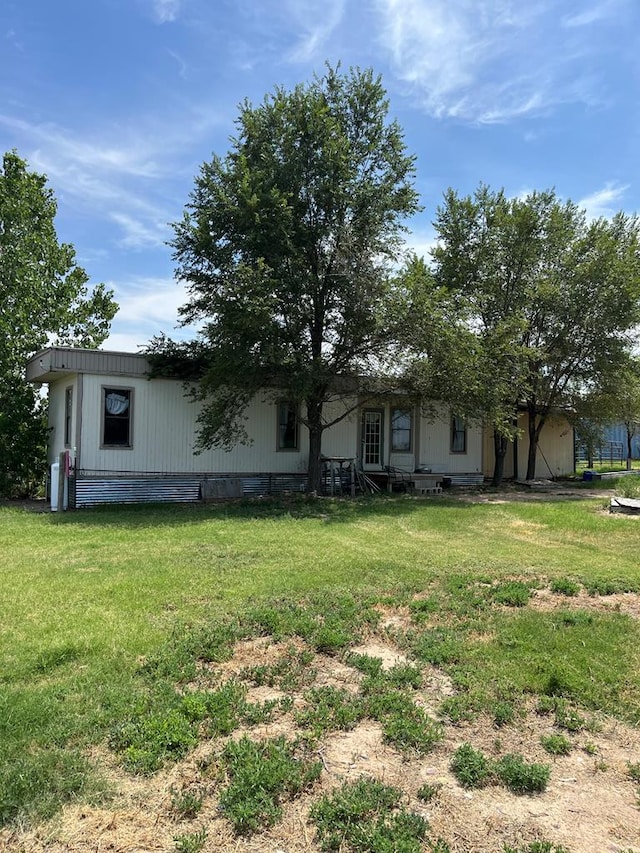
(556, 450)
(130, 438)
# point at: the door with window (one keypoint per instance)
(372, 438)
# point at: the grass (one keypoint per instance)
(88, 597)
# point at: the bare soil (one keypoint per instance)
(590, 805)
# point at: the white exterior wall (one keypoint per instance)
(56, 416)
(164, 431)
(435, 446)
(555, 457)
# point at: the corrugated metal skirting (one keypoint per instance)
(93, 491)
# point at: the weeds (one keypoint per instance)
(565, 586)
(191, 842)
(185, 804)
(474, 770)
(366, 817)
(556, 744)
(261, 775)
(427, 793)
(328, 709)
(520, 776)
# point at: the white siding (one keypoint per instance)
(555, 449)
(164, 431)
(435, 446)
(56, 413)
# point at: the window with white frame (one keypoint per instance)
(401, 424)
(117, 404)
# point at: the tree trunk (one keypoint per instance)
(500, 444)
(629, 440)
(314, 423)
(534, 428)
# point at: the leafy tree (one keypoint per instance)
(44, 299)
(614, 402)
(286, 245)
(560, 293)
(448, 358)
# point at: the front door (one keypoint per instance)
(372, 423)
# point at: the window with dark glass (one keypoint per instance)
(68, 413)
(458, 435)
(400, 430)
(116, 417)
(287, 425)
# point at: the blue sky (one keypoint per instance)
(120, 101)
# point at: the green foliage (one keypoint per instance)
(556, 744)
(49, 299)
(290, 672)
(191, 842)
(474, 770)
(511, 593)
(633, 770)
(366, 817)
(553, 298)
(427, 793)
(470, 767)
(565, 586)
(186, 804)
(537, 847)
(503, 713)
(149, 741)
(261, 775)
(328, 709)
(35, 784)
(628, 487)
(520, 776)
(285, 245)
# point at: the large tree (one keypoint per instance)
(560, 292)
(44, 299)
(286, 245)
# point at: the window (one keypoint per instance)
(68, 414)
(400, 430)
(287, 425)
(458, 435)
(116, 417)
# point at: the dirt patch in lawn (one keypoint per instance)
(589, 806)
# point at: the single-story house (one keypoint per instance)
(129, 438)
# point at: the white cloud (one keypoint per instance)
(486, 60)
(605, 202)
(315, 20)
(139, 235)
(165, 11)
(147, 307)
(590, 15)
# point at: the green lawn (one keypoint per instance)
(87, 596)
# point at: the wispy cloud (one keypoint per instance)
(604, 202)
(139, 234)
(590, 15)
(488, 60)
(315, 21)
(165, 11)
(147, 307)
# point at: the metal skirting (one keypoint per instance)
(465, 479)
(97, 490)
